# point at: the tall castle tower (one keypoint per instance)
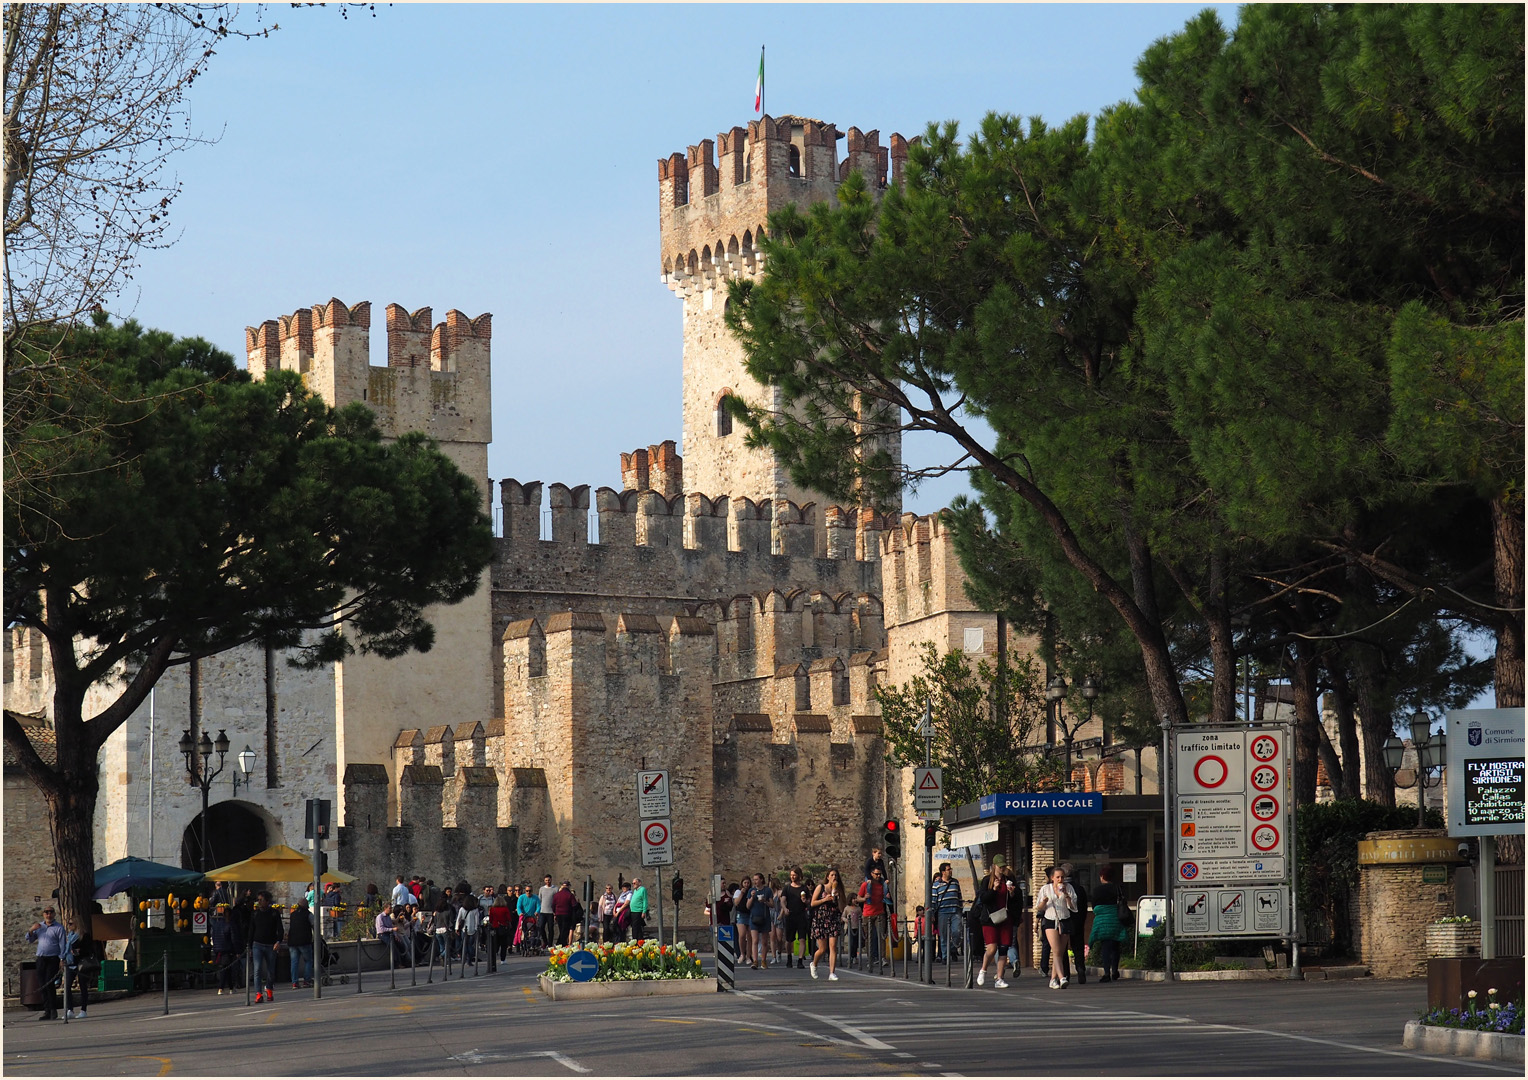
(712, 211)
(436, 381)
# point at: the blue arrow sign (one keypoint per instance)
(583, 966)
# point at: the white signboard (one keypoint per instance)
(1232, 808)
(1131, 870)
(653, 794)
(1261, 911)
(1485, 772)
(928, 789)
(1150, 912)
(657, 843)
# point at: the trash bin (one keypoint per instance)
(31, 986)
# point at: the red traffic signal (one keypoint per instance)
(892, 826)
(891, 839)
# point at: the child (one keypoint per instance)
(853, 919)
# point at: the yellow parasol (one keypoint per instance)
(278, 863)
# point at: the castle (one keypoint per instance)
(708, 617)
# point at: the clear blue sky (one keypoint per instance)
(504, 159)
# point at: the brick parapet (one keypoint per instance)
(1395, 908)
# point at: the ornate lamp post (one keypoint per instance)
(198, 772)
(1055, 690)
(1429, 749)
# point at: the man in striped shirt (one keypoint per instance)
(946, 905)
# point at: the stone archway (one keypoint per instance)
(235, 831)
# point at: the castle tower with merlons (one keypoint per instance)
(714, 203)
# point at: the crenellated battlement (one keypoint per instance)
(654, 517)
(436, 379)
(715, 198)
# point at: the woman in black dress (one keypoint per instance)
(827, 920)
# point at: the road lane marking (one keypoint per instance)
(562, 1059)
(530, 996)
(670, 1020)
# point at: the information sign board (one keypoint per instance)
(1261, 911)
(652, 794)
(1231, 805)
(1485, 772)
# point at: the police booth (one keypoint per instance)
(1035, 830)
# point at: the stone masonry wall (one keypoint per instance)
(1395, 908)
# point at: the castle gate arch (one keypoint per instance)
(235, 831)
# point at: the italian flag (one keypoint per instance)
(758, 89)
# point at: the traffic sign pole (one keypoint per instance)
(1164, 778)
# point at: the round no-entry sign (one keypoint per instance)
(1210, 771)
(655, 833)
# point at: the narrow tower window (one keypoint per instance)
(795, 166)
(723, 417)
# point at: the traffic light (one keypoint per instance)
(891, 839)
(323, 863)
(677, 892)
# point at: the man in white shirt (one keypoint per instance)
(402, 897)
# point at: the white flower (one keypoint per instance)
(1491, 991)
(1474, 993)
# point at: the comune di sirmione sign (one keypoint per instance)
(1485, 772)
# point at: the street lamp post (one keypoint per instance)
(1429, 749)
(926, 729)
(1055, 690)
(197, 772)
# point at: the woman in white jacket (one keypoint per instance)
(1056, 903)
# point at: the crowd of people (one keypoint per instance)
(802, 923)
(796, 922)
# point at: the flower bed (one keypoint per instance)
(1504, 1019)
(630, 961)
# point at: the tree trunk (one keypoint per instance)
(72, 806)
(1307, 721)
(1347, 728)
(1375, 726)
(1507, 538)
(1217, 616)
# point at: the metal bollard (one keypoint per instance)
(413, 958)
(392, 965)
(249, 972)
(165, 978)
(64, 974)
(358, 965)
(430, 974)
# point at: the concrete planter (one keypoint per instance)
(1457, 1042)
(603, 991)
(1453, 940)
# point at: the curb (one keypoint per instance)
(1233, 975)
(1460, 1042)
(602, 991)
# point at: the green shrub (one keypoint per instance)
(1187, 955)
(1327, 847)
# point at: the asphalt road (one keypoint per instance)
(781, 1023)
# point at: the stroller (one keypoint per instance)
(527, 940)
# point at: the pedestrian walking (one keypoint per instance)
(82, 965)
(227, 947)
(1077, 927)
(996, 926)
(854, 920)
(500, 920)
(948, 904)
(51, 941)
(546, 925)
(872, 897)
(1109, 925)
(760, 902)
(607, 914)
(562, 911)
(798, 925)
(300, 942)
(265, 934)
(1055, 905)
(828, 903)
(638, 908)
